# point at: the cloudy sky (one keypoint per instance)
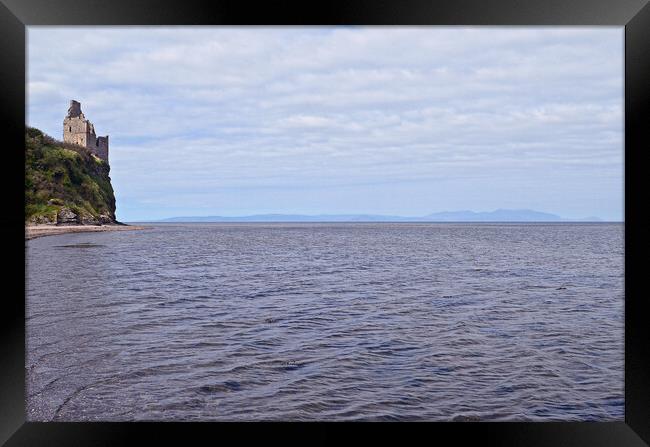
(408, 121)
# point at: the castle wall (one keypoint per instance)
(75, 130)
(78, 130)
(102, 147)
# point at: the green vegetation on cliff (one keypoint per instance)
(65, 183)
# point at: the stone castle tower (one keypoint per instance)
(78, 130)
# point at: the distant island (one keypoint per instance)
(500, 215)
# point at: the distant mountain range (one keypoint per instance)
(500, 215)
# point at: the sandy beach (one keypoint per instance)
(34, 231)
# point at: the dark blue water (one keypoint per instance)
(327, 322)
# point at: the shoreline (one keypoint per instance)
(34, 231)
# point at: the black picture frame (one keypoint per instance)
(15, 15)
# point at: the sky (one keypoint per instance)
(407, 121)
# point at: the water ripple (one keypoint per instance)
(327, 321)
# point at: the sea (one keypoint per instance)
(327, 322)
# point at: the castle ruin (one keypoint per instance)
(78, 130)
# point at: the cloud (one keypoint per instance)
(194, 111)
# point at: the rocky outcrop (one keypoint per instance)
(42, 219)
(66, 216)
(105, 219)
(65, 184)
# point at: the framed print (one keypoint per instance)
(386, 219)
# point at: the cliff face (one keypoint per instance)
(65, 183)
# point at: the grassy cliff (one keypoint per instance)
(65, 183)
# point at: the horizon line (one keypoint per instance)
(566, 221)
(517, 215)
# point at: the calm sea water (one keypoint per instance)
(327, 322)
